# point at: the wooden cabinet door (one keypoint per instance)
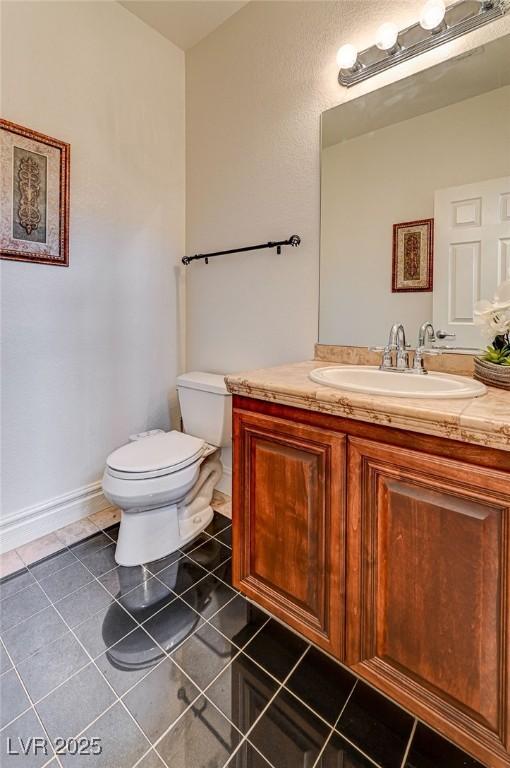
(288, 523)
(429, 590)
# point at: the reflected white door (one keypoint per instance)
(471, 253)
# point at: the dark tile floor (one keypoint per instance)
(168, 665)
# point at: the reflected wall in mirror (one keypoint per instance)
(435, 145)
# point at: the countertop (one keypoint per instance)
(483, 420)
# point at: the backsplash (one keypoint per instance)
(459, 364)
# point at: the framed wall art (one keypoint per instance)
(413, 255)
(34, 196)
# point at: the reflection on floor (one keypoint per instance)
(168, 665)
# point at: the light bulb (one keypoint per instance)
(346, 56)
(432, 15)
(386, 37)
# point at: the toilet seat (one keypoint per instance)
(155, 456)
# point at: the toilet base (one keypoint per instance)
(155, 533)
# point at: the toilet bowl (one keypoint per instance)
(163, 482)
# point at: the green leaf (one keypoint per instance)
(497, 356)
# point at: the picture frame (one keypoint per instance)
(413, 256)
(34, 196)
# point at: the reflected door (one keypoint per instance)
(471, 253)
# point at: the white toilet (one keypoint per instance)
(163, 483)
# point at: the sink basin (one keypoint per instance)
(370, 380)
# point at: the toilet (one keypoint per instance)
(163, 482)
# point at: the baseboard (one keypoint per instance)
(225, 483)
(32, 522)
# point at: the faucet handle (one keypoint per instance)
(419, 353)
(386, 361)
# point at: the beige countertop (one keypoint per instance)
(482, 421)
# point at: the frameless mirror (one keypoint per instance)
(415, 202)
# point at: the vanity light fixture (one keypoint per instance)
(347, 58)
(432, 16)
(438, 24)
(387, 38)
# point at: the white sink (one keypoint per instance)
(370, 380)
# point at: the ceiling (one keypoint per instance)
(183, 22)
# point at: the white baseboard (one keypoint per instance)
(32, 522)
(225, 483)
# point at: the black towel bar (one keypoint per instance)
(294, 241)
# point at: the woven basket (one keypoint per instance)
(491, 374)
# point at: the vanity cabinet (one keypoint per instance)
(290, 523)
(388, 549)
(427, 607)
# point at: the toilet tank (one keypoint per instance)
(206, 407)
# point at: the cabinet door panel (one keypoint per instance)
(289, 544)
(429, 577)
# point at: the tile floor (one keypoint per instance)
(168, 665)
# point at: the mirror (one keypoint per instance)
(415, 202)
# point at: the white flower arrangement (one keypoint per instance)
(493, 317)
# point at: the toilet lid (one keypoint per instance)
(156, 453)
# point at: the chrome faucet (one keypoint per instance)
(396, 355)
(396, 347)
(425, 333)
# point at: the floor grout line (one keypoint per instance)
(203, 621)
(20, 679)
(119, 699)
(356, 749)
(66, 628)
(65, 550)
(216, 612)
(312, 710)
(202, 691)
(257, 750)
(167, 730)
(141, 625)
(151, 749)
(186, 590)
(39, 583)
(270, 701)
(239, 649)
(160, 610)
(243, 647)
(104, 678)
(217, 535)
(92, 660)
(229, 721)
(226, 582)
(20, 714)
(346, 738)
(19, 590)
(409, 743)
(333, 728)
(4, 631)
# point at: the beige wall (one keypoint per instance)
(255, 90)
(388, 176)
(90, 352)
